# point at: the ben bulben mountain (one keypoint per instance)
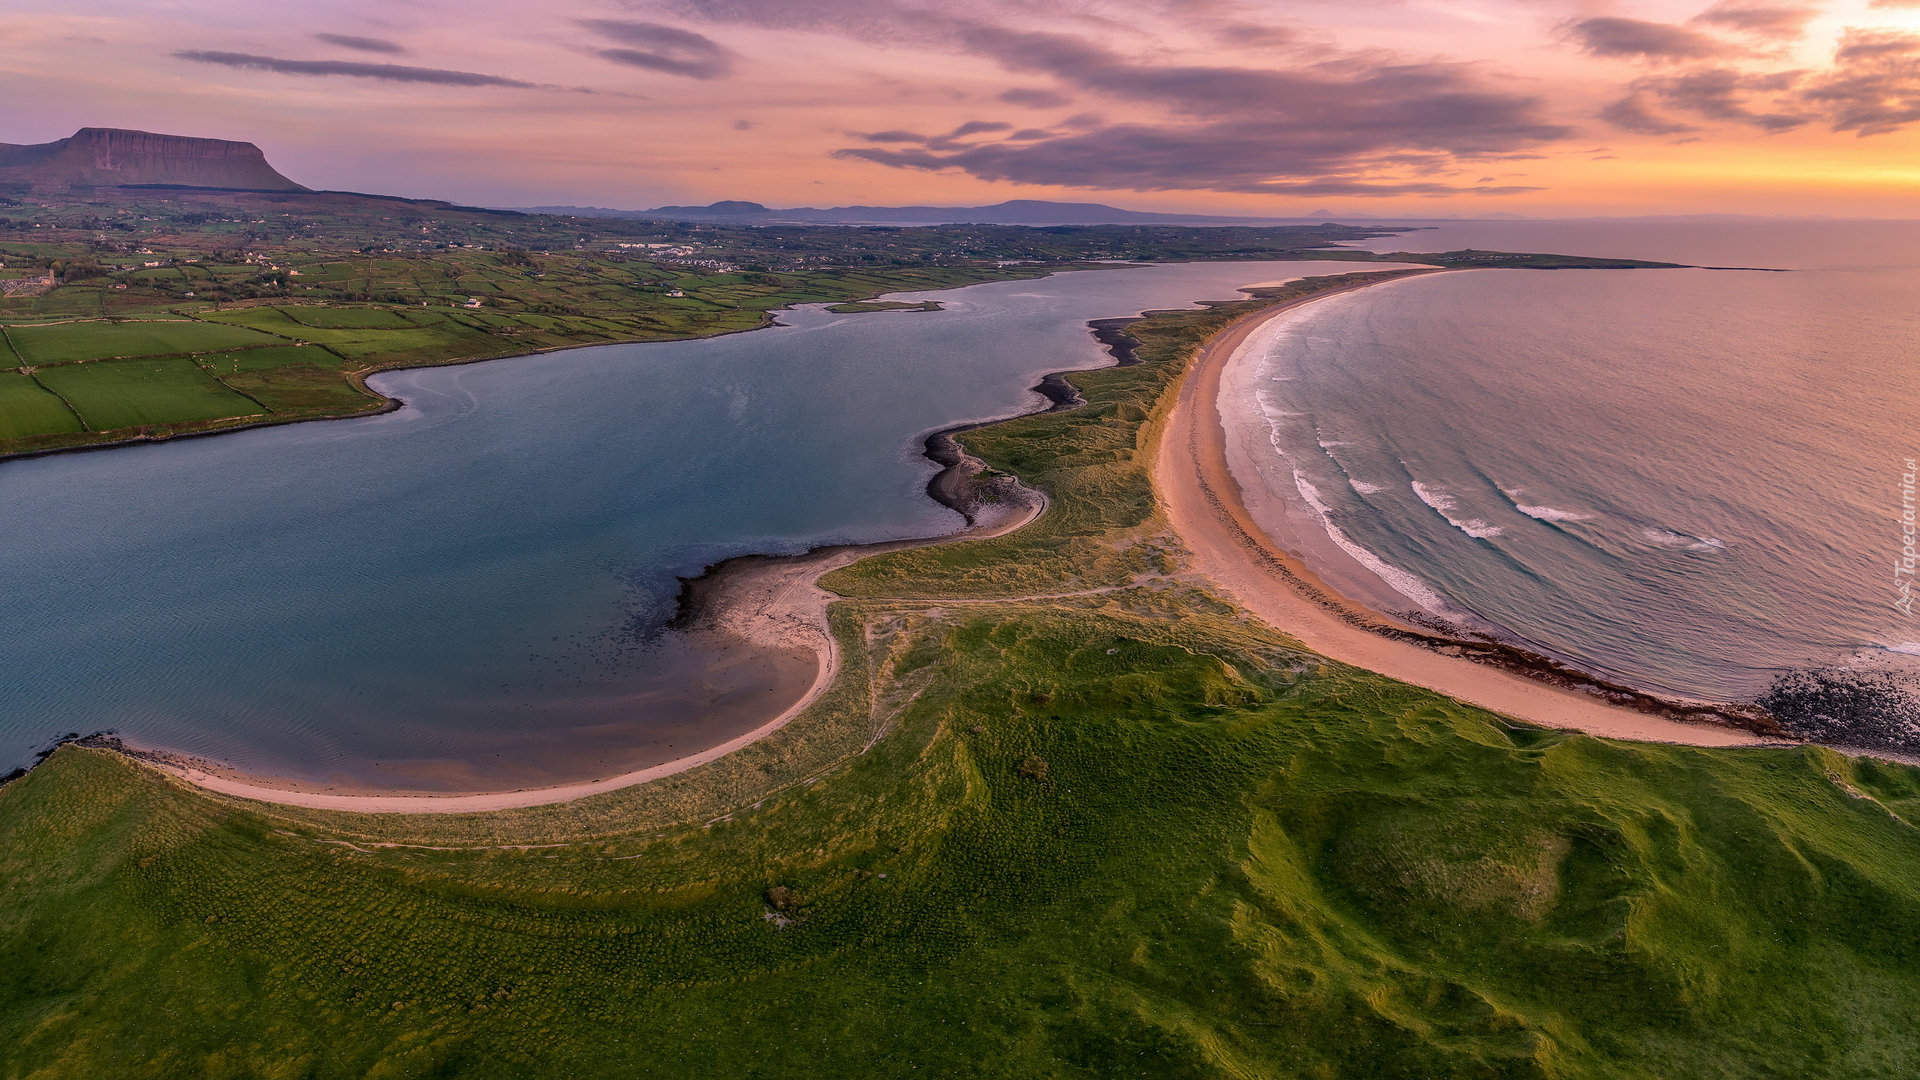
(115, 157)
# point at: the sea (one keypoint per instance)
(1690, 481)
(471, 593)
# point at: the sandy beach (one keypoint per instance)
(1239, 553)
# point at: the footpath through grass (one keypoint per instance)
(1122, 834)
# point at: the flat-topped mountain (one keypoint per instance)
(114, 157)
(1011, 212)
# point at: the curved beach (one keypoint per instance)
(1230, 534)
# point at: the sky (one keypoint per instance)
(1257, 107)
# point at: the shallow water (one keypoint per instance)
(1685, 479)
(470, 592)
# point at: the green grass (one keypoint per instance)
(298, 387)
(112, 394)
(27, 408)
(1130, 834)
(349, 318)
(268, 359)
(65, 342)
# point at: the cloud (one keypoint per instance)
(1610, 36)
(1346, 124)
(1759, 20)
(976, 127)
(894, 137)
(350, 68)
(1257, 35)
(1034, 98)
(1248, 156)
(1874, 87)
(1725, 94)
(363, 44)
(663, 48)
(1631, 113)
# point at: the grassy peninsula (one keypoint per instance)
(1066, 814)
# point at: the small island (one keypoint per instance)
(864, 306)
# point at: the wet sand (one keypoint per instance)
(1239, 553)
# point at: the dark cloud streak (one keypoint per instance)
(363, 44)
(1610, 36)
(351, 69)
(1035, 98)
(1632, 113)
(662, 48)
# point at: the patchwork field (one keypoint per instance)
(352, 318)
(112, 394)
(419, 318)
(27, 408)
(61, 343)
(1066, 814)
(291, 380)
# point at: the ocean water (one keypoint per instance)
(1687, 480)
(469, 593)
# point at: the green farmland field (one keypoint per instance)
(344, 318)
(113, 394)
(302, 388)
(64, 342)
(238, 360)
(27, 408)
(424, 337)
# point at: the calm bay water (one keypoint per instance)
(1686, 479)
(468, 593)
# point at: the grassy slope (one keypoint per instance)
(116, 394)
(1124, 834)
(26, 407)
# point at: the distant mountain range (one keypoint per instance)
(1012, 212)
(114, 157)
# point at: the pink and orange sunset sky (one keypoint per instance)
(1406, 107)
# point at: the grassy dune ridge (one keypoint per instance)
(1065, 815)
